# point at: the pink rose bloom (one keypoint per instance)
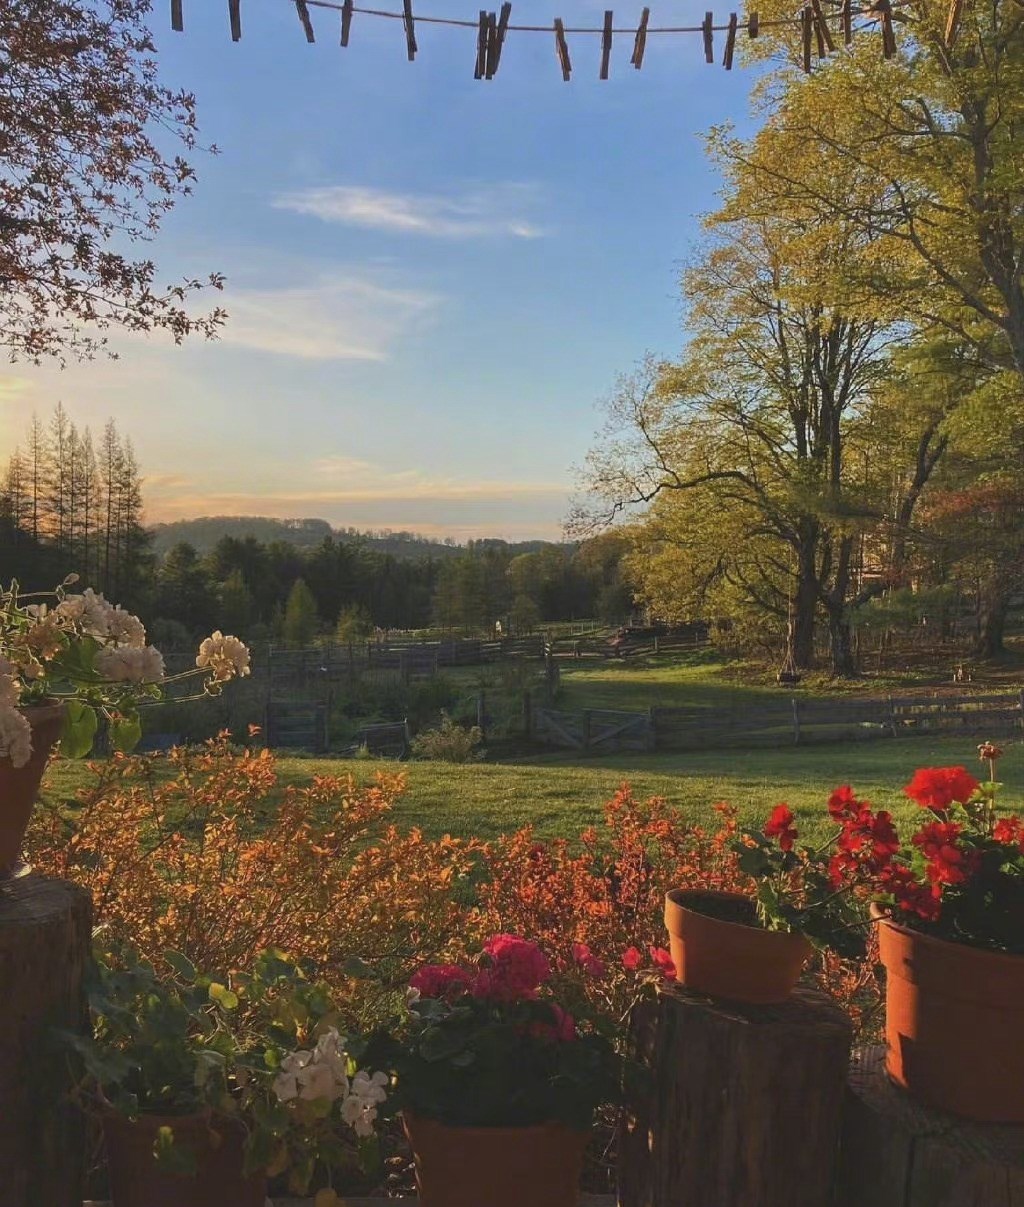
(586, 959)
(515, 969)
(440, 980)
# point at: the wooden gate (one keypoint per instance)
(593, 729)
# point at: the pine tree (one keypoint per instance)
(300, 615)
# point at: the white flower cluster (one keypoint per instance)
(322, 1074)
(130, 664)
(226, 657)
(96, 617)
(15, 731)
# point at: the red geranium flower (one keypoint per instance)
(938, 787)
(948, 863)
(440, 980)
(843, 803)
(632, 959)
(663, 960)
(910, 894)
(780, 826)
(1010, 831)
(514, 968)
(591, 964)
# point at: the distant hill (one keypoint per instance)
(203, 533)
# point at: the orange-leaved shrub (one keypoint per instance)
(588, 903)
(203, 852)
(597, 905)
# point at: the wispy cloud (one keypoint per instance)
(343, 317)
(494, 210)
(12, 389)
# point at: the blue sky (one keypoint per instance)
(432, 280)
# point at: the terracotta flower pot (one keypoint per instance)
(496, 1166)
(954, 1016)
(19, 785)
(718, 950)
(137, 1179)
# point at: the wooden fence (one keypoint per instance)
(779, 722)
(593, 729)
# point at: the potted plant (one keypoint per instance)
(66, 660)
(207, 1087)
(497, 1082)
(753, 948)
(950, 908)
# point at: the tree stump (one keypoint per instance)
(894, 1152)
(743, 1106)
(44, 948)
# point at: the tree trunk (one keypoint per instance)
(991, 624)
(841, 652)
(44, 951)
(800, 628)
(740, 1106)
(896, 1153)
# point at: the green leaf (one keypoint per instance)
(126, 733)
(359, 969)
(182, 965)
(223, 996)
(80, 724)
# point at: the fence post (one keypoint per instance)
(652, 730)
(892, 713)
(796, 721)
(527, 713)
(481, 713)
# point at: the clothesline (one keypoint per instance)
(493, 27)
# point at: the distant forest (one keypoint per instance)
(71, 504)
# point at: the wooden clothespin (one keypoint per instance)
(562, 50)
(606, 43)
(807, 29)
(307, 25)
(884, 10)
(753, 25)
(235, 15)
(177, 17)
(346, 21)
(481, 47)
(824, 34)
(730, 42)
(956, 11)
(496, 38)
(640, 44)
(847, 20)
(410, 29)
(707, 28)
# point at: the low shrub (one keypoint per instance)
(449, 743)
(204, 853)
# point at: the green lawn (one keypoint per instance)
(699, 678)
(560, 796)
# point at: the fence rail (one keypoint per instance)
(779, 722)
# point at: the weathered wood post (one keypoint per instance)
(894, 1152)
(742, 1105)
(44, 951)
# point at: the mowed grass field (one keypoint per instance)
(560, 796)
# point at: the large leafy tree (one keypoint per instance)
(91, 158)
(745, 443)
(923, 155)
